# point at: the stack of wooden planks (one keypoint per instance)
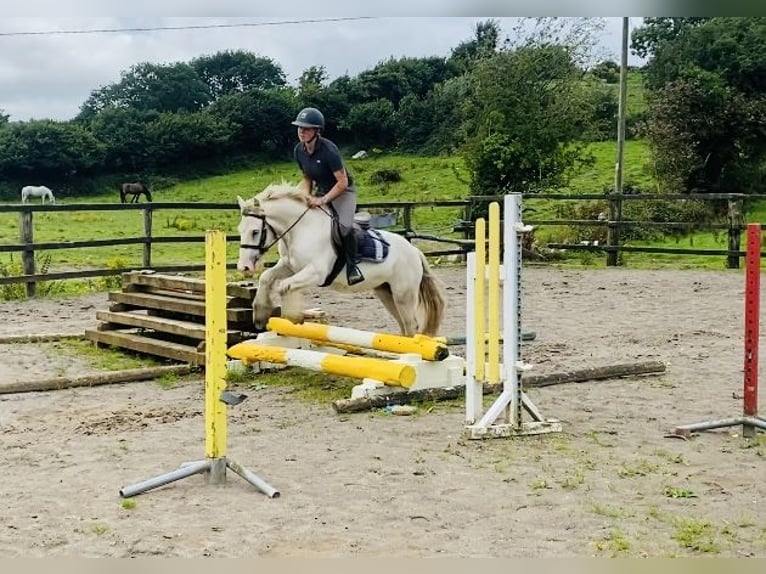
(164, 315)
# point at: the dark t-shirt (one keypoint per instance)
(321, 165)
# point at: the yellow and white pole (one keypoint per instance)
(493, 295)
(388, 372)
(428, 348)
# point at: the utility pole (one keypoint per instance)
(615, 206)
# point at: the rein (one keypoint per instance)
(262, 247)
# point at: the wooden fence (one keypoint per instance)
(459, 236)
(28, 247)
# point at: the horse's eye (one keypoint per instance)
(255, 233)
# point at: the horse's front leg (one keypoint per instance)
(307, 277)
(263, 304)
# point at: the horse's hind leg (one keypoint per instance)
(384, 294)
(406, 302)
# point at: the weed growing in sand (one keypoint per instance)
(615, 544)
(108, 358)
(662, 384)
(758, 443)
(99, 529)
(574, 479)
(670, 457)
(746, 522)
(594, 437)
(128, 504)
(239, 376)
(641, 468)
(539, 484)
(674, 492)
(608, 511)
(696, 535)
(168, 381)
(315, 388)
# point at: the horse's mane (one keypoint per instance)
(282, 190)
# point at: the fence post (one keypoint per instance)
(613, 230)
(407, 216)
(736, 222)
(148, 236)
(28, 255)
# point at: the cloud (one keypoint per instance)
(50, 75)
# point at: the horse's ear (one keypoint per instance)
(242, 203)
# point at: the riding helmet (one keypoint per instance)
(309, 118)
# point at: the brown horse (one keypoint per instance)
(134, 189)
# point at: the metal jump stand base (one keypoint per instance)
(216, 469)
(749, 424)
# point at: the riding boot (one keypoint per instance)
(353, 274)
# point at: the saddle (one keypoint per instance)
(370, 245)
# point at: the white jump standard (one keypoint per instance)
(504, 416)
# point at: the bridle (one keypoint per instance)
(266, 228)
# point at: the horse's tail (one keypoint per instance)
(432, 299)
(122, 194)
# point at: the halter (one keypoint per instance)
(267, 228)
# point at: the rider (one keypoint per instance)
(327, 181)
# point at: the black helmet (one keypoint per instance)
(309, 118)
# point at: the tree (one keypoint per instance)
(258, 120)
(436, 124)
(151, 87)
(123, 133)
(47, 148)
(372, 123)
(180, 138)
(311, 83)
(707, 113)
(607, 71)
(237, 71)
(530, 110)
(484, 44)
(650, 38)
(395, 78)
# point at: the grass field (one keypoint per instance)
(422, 179)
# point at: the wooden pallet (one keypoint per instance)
(164, 315)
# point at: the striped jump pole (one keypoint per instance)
(493, 324)
(749, 420)
(216, 462)
(388, 372)
(429, 348)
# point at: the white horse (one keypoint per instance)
(37, 191)
(280, 214)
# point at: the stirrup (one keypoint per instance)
(353, 274)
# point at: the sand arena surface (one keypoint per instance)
(377, 485)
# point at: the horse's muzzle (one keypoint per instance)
(246, 271)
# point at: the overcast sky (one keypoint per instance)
(51, 75)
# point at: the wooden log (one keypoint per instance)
(124, 376)
(39, 338)
(447, 393)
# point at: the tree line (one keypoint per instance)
(520, 111)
